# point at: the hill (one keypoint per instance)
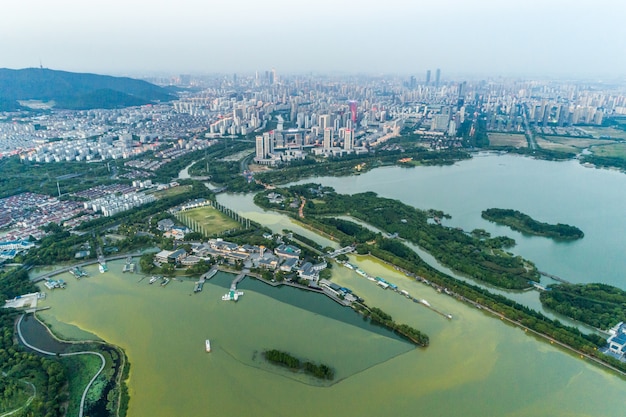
(75, 91)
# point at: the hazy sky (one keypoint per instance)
(482, 37)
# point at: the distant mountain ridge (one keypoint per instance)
(76, 91)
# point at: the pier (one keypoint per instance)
(238, 279)
(203, 278)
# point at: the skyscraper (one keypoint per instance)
(324, 121)
(427, 77)
(348, 139)
(328, 138)
(260, 151)
(353, 111)
(437, 77)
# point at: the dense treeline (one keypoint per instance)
(605, 161)
(320, 371)
(345, 165)
(14, 283)
(598, 305)
(47, 375)
(378, 316)
(524, 223)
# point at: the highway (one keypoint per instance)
(532, 143)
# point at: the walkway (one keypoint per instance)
(30, 400)
(82, 400)
(80, 265)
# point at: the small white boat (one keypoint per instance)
(207, 345)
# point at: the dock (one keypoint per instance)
(238, 279)
(203, 278)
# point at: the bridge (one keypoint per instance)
(342, 251)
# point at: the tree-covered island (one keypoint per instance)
(320, 371)
(523, 223)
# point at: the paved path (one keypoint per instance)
(30, 400)
(82, 400)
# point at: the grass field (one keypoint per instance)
(580, 143)
(617, 150)
(555, 146)
(172, 191)
(207, 220)
(598, 131)
(515, 140)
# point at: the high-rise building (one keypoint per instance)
(264, 145)
(348, 139)
(260, 149)
(324, 121)
(427, 77)
(353, 111)
(328, 138)
(437, 77)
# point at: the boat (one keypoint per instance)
(232, 295)
(153, 279)
(449, 316)
(165, 282)
(103, 267)
(207, 345)
(426, 303)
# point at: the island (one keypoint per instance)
(523, 223)
(319, 371)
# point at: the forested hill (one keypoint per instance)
(75, 91)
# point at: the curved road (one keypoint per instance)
(82, 400)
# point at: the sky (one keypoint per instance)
(566, 38)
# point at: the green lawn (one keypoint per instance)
(617, 150)
(172, 191)
(207, 220)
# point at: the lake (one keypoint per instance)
(476, 365)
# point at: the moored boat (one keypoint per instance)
(207, 345)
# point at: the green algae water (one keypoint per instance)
(475, 365)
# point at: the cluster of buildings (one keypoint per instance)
(117, 203)
(285, 257)
(24, 215)
(295, 115)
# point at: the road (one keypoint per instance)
(532, 143)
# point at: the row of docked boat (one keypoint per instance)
(155, 278)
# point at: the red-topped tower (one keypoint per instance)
(353, 110)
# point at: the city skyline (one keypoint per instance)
(481, 37)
